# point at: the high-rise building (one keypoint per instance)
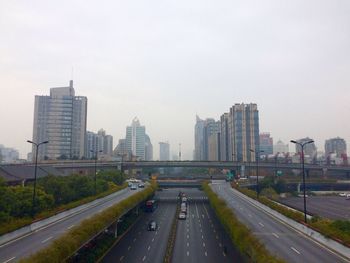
(266, 143)
(91, 145)
(243, 128)
(8, 155)
(337, 146)
(138, 143)
(309, 149)
(225, 139)
(203, 130)
(164, 151)
(61, 119)
(214, 147)
(280, 147)
(121, 149)
(98, 142)
(148, 149)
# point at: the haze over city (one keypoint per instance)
(165, 62)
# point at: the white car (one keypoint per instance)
(342, 194)
(182, 216)
(348, 196)
(133, 187)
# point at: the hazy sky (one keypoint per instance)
(166, 61)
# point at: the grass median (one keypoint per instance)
(242, 238)
(67, 244)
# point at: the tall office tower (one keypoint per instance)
(148, 149)
(135, 139)
(91, 145)
(309, 149)
(244, 132)
(164, 151)
(280, 147)
(225, 139)
(199, 153)
(211, 129)
(105, 142)
(121, 149)
(202, 131)
(8, 155)
(266, 143)
(61, 119)
(335, 145)
(214, 147)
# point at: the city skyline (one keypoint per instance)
(166, 63)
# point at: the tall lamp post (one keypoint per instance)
(302, 145)
(257, 153)
(35, 170)
(96, 153)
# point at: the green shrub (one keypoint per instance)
(67, 244)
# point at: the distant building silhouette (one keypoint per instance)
(164, 151)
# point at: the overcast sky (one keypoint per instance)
(166, 61)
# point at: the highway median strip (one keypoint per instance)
(172, 237)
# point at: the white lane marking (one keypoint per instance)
(9, 259)
(129, 247)
(205, 253)
(203, 244)
(47, 239)
(70, 226)
(275, 235)
(100, 210)
(295, 250)
(188, 244)
(188, 253)
(149, 247)
(152, 239)
(188, 236)
(261, 224)
(156, 232)
(121, 258)
(217, 237)
(202, 237)
(144, 257)
(134, 239)
(197, 210)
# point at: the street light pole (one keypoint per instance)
(96, 153)
(257, 170)
(302, 145)
(35, 171)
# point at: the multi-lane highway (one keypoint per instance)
(199, 238)
(22, 247)
(279, 238)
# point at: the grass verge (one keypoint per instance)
(17, 223)
(246, 243)
(67, 244)
(172, 238)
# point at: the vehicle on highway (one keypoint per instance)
(183, 209)
(133, 187)
(184, 199)
(151, 205)
(152, 225)
(182, 216)
(348, 197)
(141, 185)
(342, 194)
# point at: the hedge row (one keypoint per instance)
(66, 245)
(17, 223)
(338, 230)
(172, 238)
(243, 239)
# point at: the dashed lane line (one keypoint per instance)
(188, 253)
(121, 258)
(129, 247)
(9, 260)
(144, 257)
(47, 239)
(261, 224)
(149, 247)
(295, 250)
(70, 226)
(275, 235)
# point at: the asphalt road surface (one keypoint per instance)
(141, 245)
(332, 207)
(200, 238)
(279, 238)
(17, 249)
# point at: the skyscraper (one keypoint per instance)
(243, 129)
(164, 151)
(199, 153)
(138, 142)
(266, 143)
(225, 139)
(309, 149)
(61, 119)
(280, 147)
(337, 146)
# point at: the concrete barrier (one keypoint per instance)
(316, 236)
(26, 230)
